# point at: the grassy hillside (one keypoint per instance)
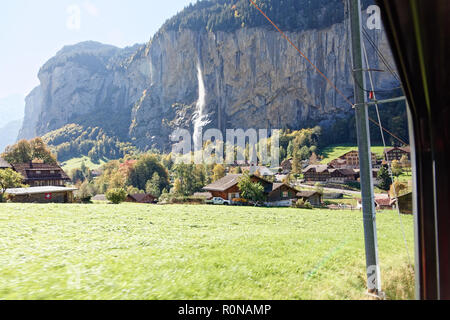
(76, 163)
(332, 152)
(134, 251)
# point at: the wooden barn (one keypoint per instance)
(313, 197)
(47, 194)
(141, 198)
(281, 192)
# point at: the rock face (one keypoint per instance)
(253, 79)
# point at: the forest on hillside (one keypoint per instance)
(230, 15)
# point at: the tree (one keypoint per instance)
(25, 151)
(40, 151)
(177, 186)
(143, 170)
(116, 195)
(396, 168)
(385, 178)
(250, 190)
(405, 162)
(153, 186)
(218, 172)
(18, 153)
(397, 189)
(133, 190)
(9, 179)
(296, 164)
(85, 192)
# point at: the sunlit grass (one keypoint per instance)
(333, 152)
(133, 251)
(76, 163)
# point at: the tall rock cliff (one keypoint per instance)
(253, 79)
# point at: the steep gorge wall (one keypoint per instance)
(253, 79)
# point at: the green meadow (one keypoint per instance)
(333, 152)
(133, 251)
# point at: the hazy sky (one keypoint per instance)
(33, 31)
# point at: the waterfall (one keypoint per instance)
(200, 119)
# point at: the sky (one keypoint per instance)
(31, 32)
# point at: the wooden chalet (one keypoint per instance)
(318, 173)
(313, 197)
(342, 175)
(282, 192)
(325, 173)
(227, 187)
(350, 160)
(41, 174)
(141, 198)
(397, 153)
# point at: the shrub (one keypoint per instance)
(117, 195)
(301, 204)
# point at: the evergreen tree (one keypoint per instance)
(385, 179)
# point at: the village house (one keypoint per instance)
(325, 173)
(396, 153)
(350, 160)
(47, 194)
(313, 197)
(141, 198)
(282, 192)
(317, 173)
(41, 174)
(227, 187)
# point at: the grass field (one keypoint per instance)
(132, 251)
(76, 163)
(332, 152)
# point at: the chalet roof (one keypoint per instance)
(224, 184)
(319, 168)
(139, 197)
(276, 186)
(4, 164)
(231, 180)
(29, 171)
(404, 149)
(306, 194)
(38, 190)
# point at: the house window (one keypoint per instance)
(38, 172)
(52, 171)
(285, 194)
